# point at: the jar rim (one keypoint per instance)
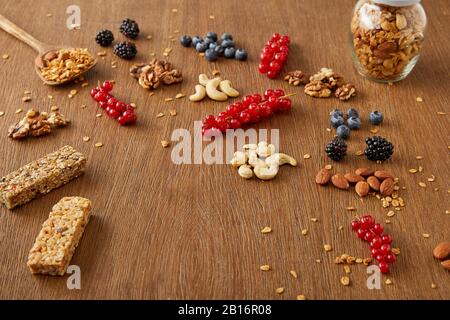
(397, 3)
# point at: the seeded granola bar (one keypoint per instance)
(59, 236)
(41, 176)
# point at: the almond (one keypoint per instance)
(323, 176)
(340, 182)
(365, 172)
(374, 183)
(387, 187)
(442, 250)
(446, 264)
(383, 174)
(362, 188)
(353, 178)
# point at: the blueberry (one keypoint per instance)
(352, 113)
(227, 43)
(354, 123)
(376, 117)
(208, 41)
(185, 41)
(201, 47)
(213, 45)
(196, 40)
(337, 112)
(226, 36)
(219, 50)
(212, 36)
(240, 54)
(230, 52)
(336, 120)
(210, 55)
(343, 132)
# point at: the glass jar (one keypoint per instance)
(387, 37)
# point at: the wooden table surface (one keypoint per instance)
(166, 231)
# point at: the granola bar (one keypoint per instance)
(59, 236)
(41, 176)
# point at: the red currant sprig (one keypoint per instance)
(252, 109)
(116, 109)
(380, 244)
(274, 55)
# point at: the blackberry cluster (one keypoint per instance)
(378, 149)
(125, 50)
(104, 38)
(336, 149)
(129, 28)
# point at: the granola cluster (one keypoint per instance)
(65, 64)
(325, 82)
(387, 40)
(151, 75)
(37, 124)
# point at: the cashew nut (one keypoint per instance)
(253, 159)
(203, 79)
(264, 149)
(279, 159)
(245, 171)
(225, 87)
(266, 172)
(213, 93)
(249, 147)
(200, 93)
(240, 158)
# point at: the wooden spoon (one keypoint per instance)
(41, 47)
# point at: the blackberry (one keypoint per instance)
(129, 28)
(104, 38)
(125, 50)
(336, 149)
(378, 149)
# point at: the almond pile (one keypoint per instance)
(442, 252)
(380, 182)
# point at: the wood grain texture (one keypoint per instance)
(165, 231)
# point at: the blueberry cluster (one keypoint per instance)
(352, 122)
(213, 48)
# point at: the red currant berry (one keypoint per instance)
(114, 113)
(280, 57)
(107, 86)
(93, 92)
(361, 233)
(210, 119)
(272, 74)
(369, 236)
(100, 96)
(224, 115)
(356, 224)
(221, 124)
(273, 102)
(103, 104)
(112, 102)
(384, 267)
(390, 258)
(284, 104)
(266, 57)
(385, 249)
(265, 110)
(267, 49)
(232, 110)
(276, 37)
(121, 106)
(235, 124)
(380, 258)
(263, 68)
(374, 252)
(247, 100)
(275, 66)
(367, 222)
(278, 93)
(387, 239)
(256, 98)
(254, 109)
(376, 243)
(268, 93)
(284, 49)
(285, 40)
(245, 117)
(239, 106)
(377, 228)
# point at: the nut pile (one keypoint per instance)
(325, 82)
(216, 89)
(64, 64)
(386, 39)
(442, 252)
(250, 161)
(37, 124)
(151, 75)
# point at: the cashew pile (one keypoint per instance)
(216, 89)
(250, 163)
